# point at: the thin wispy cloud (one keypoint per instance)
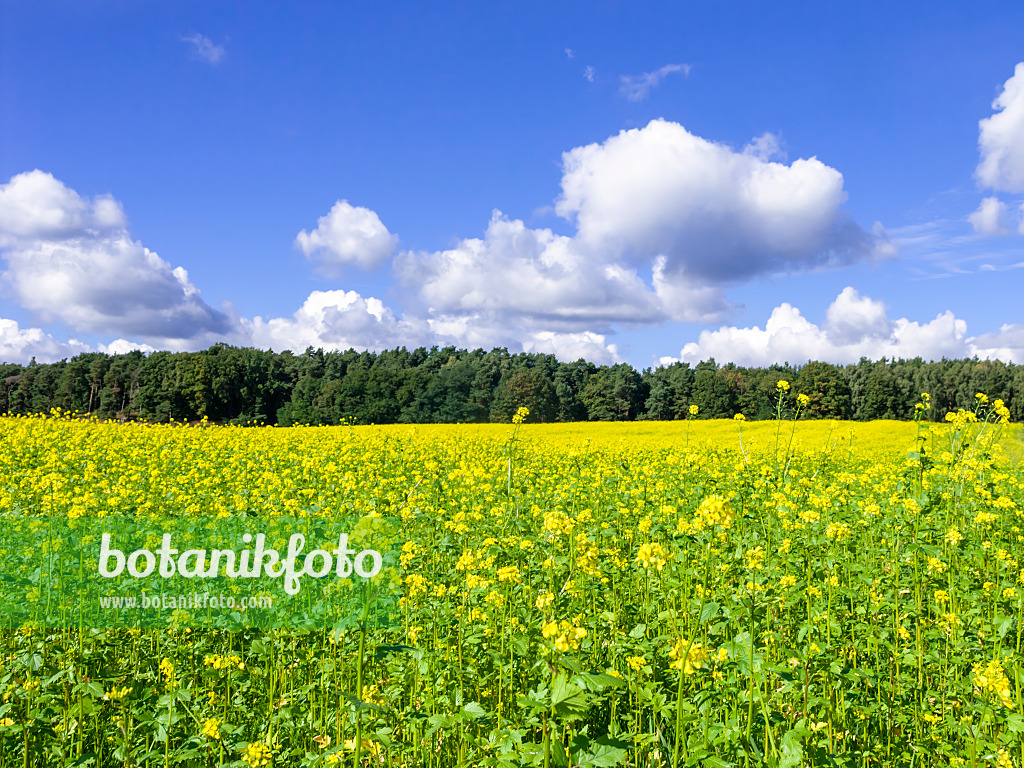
(570, 54)
(588, 74)
(205, 48)
(636, 87)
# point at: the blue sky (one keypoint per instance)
(751, 181)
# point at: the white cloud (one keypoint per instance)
(481, 331)
(636, 87)
(73, 260)
(1001, 138)
(569, 53)
(588, 74)
(852, 318)
(205, 48)
(334, 320)
(35, 206)
(1020, 224)
(516, 275)
(765, 147)
(1007, 344)
(855, 327)
(347, 235)
(716, 215)
(570, 347)
(19, 345)
(990, 218)
(123, 347)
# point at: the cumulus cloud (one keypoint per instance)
(20, 345)
(715, 214)
(35, 206)
(990, 218)
(1001, 138)
(532, 279)
(637, 87)
(1007, 344)
(530, 288)
(664, 222)
(347, 235)
(204, 48)
(765, 147)
(334, 320)
(123, 347)
(853, 318)
(73, 260)
(518, 274)
(569, 347)
(855, 327)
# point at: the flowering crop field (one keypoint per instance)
(780, 593)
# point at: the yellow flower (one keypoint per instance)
(211, 728)
(754, 558)
(739, 417)
(116, 694)
(651, 555)
(257, 755)
(714, 510)
(803, 400)
(636, 663)
(694, 410)
(992, 678)
(782, 385)
(838, 531)
(509, 573)
(688, 661)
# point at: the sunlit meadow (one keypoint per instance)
(781, 593)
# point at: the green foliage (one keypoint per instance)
(234, 385)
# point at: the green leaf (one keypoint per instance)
(792, 751)
(567, 698)
(709, 612)
(598, 681)
(604, 752)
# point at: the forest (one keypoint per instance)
(232, 385)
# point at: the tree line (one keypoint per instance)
(226, 384)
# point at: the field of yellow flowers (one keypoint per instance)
(780, 593)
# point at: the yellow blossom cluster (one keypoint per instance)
(231, 661)
(713, 511)
(689, 657)
(991, 678)
(566, 635)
